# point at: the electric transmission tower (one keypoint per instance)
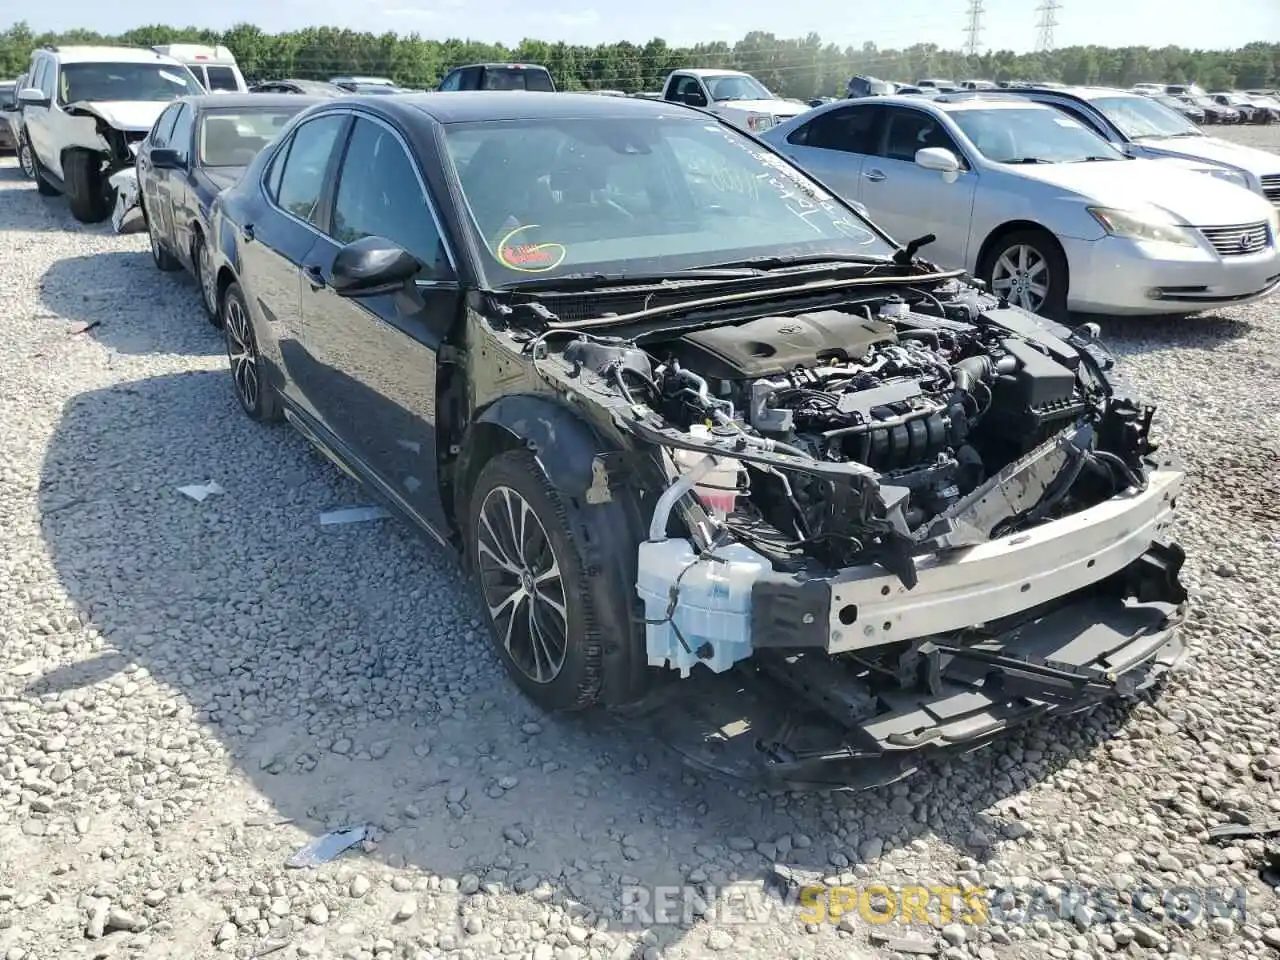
(1044, 26)
(973, 30)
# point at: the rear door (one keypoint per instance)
(380, 353)
(833, 147)
(297, 184)
(171, 187)
(148, 176)
(909, 201)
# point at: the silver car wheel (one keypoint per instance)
(1021, 275)
(522, 586)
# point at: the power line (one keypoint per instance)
(973, 29)
(1044, 26)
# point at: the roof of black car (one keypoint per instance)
(245, 101)
(472, 105)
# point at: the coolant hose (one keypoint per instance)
(666, 503)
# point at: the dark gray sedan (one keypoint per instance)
(199, 147)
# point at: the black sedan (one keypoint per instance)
(682, 408)
(198, 147)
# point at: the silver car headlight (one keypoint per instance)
(1238, 177)
(759, 122)
(1149, 224)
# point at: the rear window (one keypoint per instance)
(509, 79)
(221, 78)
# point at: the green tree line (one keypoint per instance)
(790, 67)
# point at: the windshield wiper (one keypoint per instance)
(1027, 160)
(1094, 159)
(830, 261)
(673, 278)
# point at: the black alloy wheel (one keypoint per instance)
(537, 598)
(258, 399)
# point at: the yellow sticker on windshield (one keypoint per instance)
(529, 257)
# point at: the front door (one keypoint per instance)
(275, 249)
(909, 201)
(170, 187)
(378, 354)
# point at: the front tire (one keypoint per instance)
(249, 381)
(1029, 269)
(26, 156)
(88, 191)
(539, 601)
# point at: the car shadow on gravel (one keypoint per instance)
(346, 673)
(172, 323)
(1205, 331)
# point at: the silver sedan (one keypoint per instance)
(1033, 202)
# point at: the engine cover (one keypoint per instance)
(774, 345)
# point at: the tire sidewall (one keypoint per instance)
(1055, 304)
(578, 682)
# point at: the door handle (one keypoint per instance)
(314, 277)
(875, 176)
(247, 233)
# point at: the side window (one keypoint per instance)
(688, 90)
(45, 77)
(164, 126)
(453, 81)
(848, 130)
(912, 130)
(180, 135)
(221, 78)
(301, 178)
(379, 194)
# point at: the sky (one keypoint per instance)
(1008, 24)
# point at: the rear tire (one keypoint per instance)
(206, 281)
(249, 378)
(88, 192)
(43, 186)
(163, 259)
(26, 156)
(540, 602)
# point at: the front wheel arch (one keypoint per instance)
(1003, 232)
(571, 454)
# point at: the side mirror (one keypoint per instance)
(164, 158)
(371, 266)
(32, 97)
(940, 159)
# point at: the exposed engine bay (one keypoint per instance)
(934, 399)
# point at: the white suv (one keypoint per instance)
(84, 109)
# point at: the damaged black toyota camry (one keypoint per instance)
(721, 454)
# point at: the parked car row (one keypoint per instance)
(513, 315)
(1226, 106)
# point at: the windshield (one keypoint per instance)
(1022, 135)
(142, 82)
(639, 195)
(1203, 101)
(232, 138)
(1139, 118)
(736, 88)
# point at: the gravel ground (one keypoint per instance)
(189, 692)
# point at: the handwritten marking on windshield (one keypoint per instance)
(529, 257)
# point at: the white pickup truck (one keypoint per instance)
(737, 97)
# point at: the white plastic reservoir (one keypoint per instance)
(712, 608)
(718, 488)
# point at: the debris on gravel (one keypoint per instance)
(192, 692)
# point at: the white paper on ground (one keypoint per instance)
(199, 492)
(352, 515)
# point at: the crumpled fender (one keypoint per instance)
(84, 128)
